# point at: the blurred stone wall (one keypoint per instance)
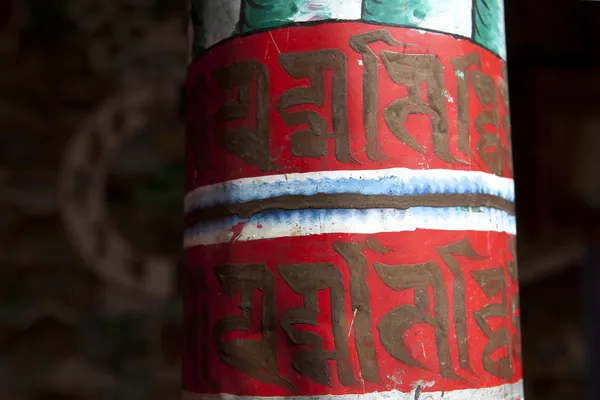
(91, 189)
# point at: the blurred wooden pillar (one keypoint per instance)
(350, 226)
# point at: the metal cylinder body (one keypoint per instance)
(349, 226)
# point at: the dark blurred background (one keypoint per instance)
(98, 83)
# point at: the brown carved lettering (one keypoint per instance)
(313, 65)
(512, 265)
(396, 322)
(492, 282)
(461, 64)
(506, 126)
(251, 145)
(412, 70)
(449, 254)
(513, 272)
(516, 321)
(308, 280)
(360, 295)
(360, 44)
(493, 154)
(257, 359)
(488, 146)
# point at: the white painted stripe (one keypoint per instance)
(512, 391)
(277, 223)
(392, 181)
(315, 10)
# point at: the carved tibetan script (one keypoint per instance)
(333, 309)
(354, 104)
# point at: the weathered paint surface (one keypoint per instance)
(505, 392)
(462, 84)
(348, 314)
(272, 13)
(452, 16)
(480, 20)
(488, 25)
(350, 227)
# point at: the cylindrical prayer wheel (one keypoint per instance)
(349, 208)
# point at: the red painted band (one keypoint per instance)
(340, 314)
(257, 90)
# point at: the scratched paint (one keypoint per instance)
(262, 14)
(264, 47)
(349, 207)
(488, 25)
(479, 20)
(452, 16)
(504, 392)
(383, 346)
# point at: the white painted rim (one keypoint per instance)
(512, 391)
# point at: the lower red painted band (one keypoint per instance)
(342, 314)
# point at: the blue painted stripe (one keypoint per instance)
(394, 182)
